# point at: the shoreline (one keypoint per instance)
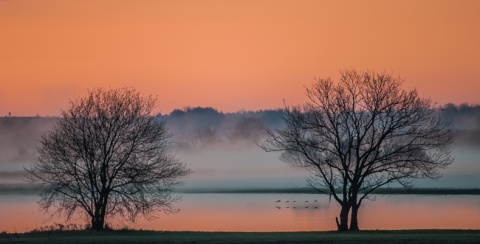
(145, 236)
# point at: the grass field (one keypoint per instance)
(132, 236)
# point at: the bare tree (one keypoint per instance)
(107, 155)
(360, 134)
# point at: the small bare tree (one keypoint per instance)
(360, 134)
(107, 155)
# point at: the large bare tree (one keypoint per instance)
(360, 134)
(107, 155)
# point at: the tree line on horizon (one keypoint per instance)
(196, 126)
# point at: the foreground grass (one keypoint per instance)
(397, 236)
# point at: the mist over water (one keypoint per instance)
(244, 167)
(18, 141)
(222, 149)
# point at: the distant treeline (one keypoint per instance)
(199, 126)
(196, 127)
(28, 188)
(463, 117)
(309, 190)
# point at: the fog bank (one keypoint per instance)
(221, 148)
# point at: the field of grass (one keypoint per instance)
(132, 236)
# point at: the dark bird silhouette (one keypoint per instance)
(277, 201)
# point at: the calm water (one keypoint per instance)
(262, 212)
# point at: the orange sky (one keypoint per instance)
(230, 55)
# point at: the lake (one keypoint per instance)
(271, 212)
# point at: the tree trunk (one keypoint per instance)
(343, 225)
(354, 218)
(98, 222)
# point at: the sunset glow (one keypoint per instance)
(226, 147)
(231, 55)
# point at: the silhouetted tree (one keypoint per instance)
(360, 134)
(107, 155)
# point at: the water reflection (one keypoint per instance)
(273, 212)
